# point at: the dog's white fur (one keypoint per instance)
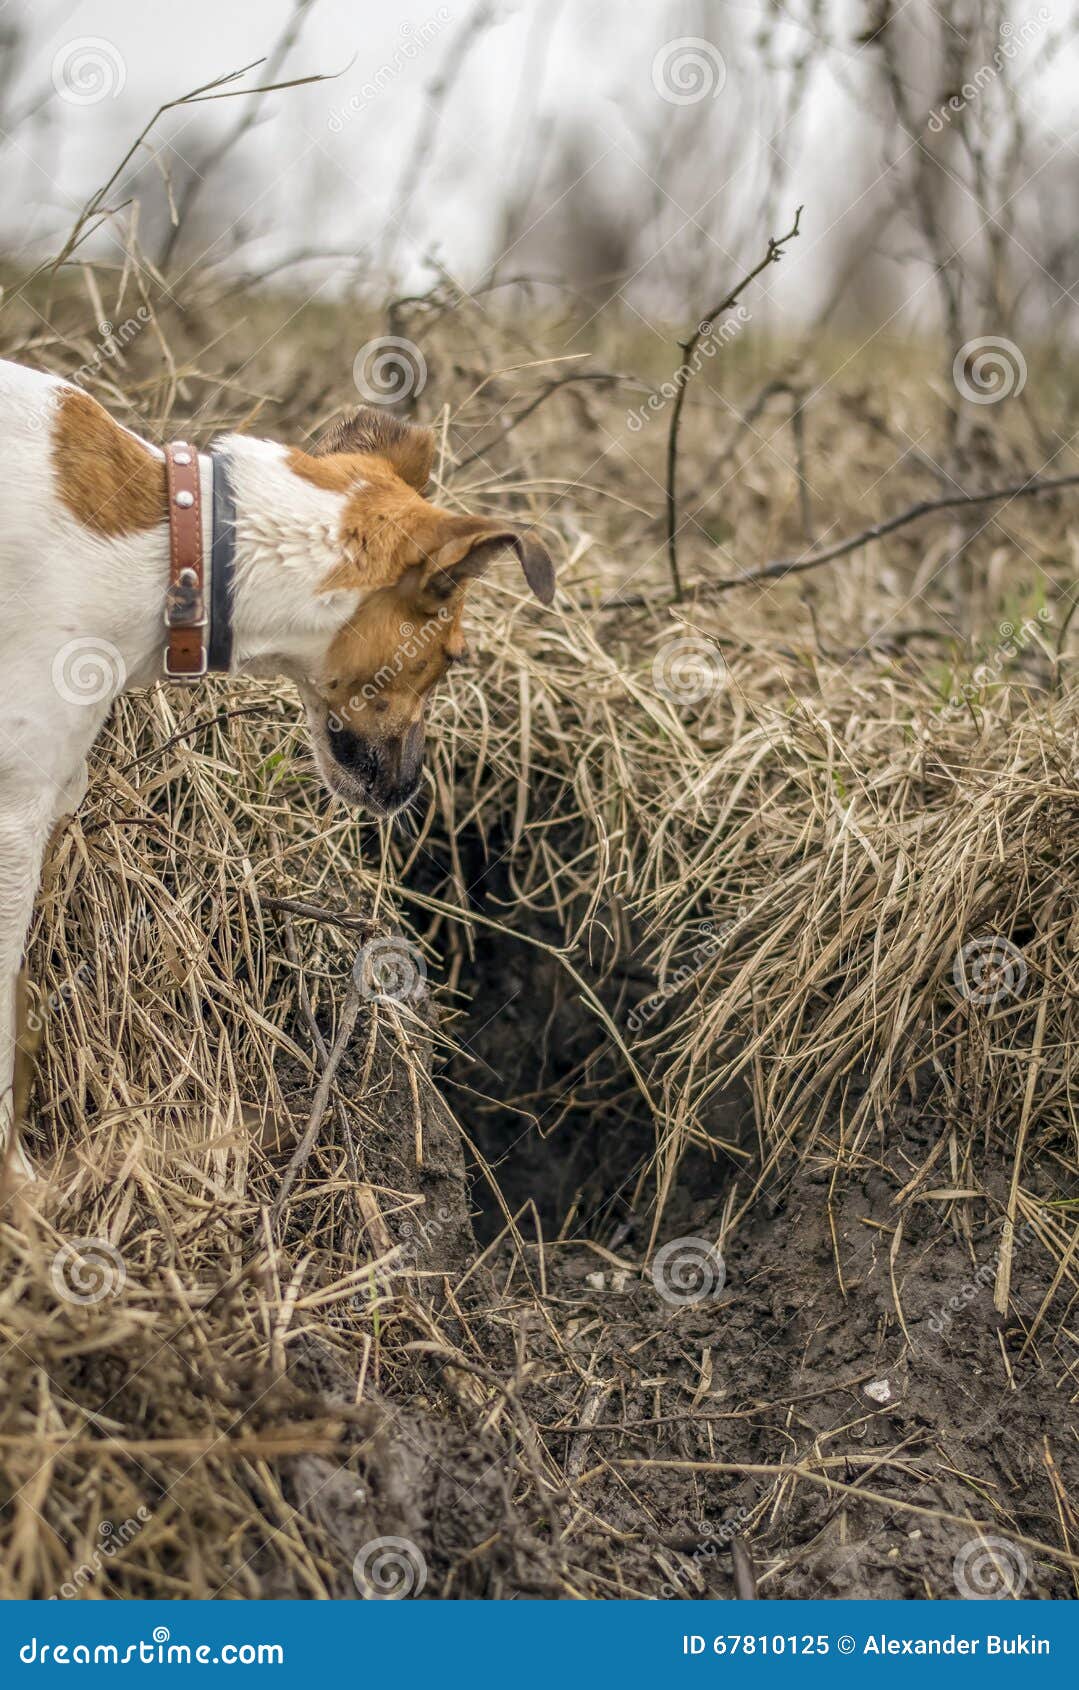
(62, 583)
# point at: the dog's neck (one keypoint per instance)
(286, 547)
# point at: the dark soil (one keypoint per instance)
(601, 1376)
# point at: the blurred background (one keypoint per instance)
(633, 152)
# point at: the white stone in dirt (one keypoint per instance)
(879, 1390)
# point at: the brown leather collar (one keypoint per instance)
(185, 601)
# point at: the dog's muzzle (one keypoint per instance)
(383, 774)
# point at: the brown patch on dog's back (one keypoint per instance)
(108, 480)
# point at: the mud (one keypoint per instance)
(868, 1357)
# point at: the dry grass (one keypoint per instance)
(788, 867)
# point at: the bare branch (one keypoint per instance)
(688, 347)
(957, 501)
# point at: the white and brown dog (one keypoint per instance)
(329, 568)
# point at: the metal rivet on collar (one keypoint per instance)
(184, 499)
(181, 457)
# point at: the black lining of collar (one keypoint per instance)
(222, 553)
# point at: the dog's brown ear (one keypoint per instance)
(408, 447)
(471, 555)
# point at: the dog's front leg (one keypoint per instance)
(24, 831)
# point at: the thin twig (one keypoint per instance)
(318, 1108)
(794, 566)
(318, 912)
(745, 1574)
(688, 347)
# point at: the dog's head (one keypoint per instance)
(414, 562)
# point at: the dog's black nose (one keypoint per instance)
(388, 771)
(353, 753)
